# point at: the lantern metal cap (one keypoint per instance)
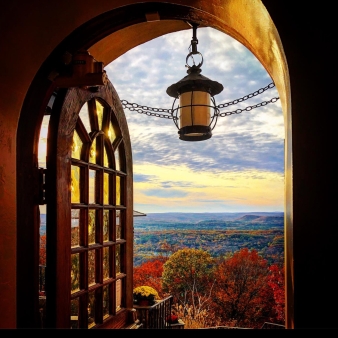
(194, 81)
(195, 133)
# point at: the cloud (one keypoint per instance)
(248, 147)
(167, 193)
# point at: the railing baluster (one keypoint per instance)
(154, 317)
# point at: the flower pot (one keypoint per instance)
(143, 302)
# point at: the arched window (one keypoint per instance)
(89, 227)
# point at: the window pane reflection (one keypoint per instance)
(91, 309)
(105, 158)
(117, 160)
(84, 115)
(118, 224)
(118, 294)
(105, 263)
(91, 267)
(76, 146)
(105, 301)
(118, 259)
(91, 226)
(75, 184)
(118, 190)
(111, 133)
(75, 272)
(106, 225)
(92, 180)
(99, 112)
(92, 152)
(75, 230)
(106, 188)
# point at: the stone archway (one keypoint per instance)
(109, 32)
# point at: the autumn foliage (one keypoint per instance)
(276, 282)
(42, 250)
(150, 273)
(238, 290)
(188, 275)
(243, 297)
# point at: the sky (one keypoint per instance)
(240, 168)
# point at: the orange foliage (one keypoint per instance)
(42, 250)
(150, 274)
(243, 297)
(277, 283)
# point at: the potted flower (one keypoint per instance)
(145, 295)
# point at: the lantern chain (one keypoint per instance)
(161, 112)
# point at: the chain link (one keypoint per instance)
(168, 113)
(248, 108)
(147, 110)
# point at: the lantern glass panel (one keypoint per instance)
(194, 109)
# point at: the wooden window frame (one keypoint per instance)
(64, 120)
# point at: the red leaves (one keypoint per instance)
(277, 283)
(242, 292)
(150, 273)
(42, 250)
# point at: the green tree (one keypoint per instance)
(188, 275)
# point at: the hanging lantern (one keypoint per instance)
(196, 114)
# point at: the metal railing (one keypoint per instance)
(272, 326)
(154, 316)
(265, 326)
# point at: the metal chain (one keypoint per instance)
(246, 97)
(147, 110)
(160, 112)
(248, 108)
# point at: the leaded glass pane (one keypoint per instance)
(75, 228)
(118, 259)
(111, 133)
(91, 227)
(91, 267)
(97, 261)
(106, 263)
(118, 294)
(106, 225)
(92, 152)
(99, 112)
(105, 301)
(75, 184)
(84, 115)
(92, 181)
(76, 146)
(117, 159)
(91, 309)
(105, 158)
(74, 313)
(118, 224)
(106, 188)
(75, 272)
(118, 190)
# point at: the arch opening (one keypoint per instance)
(266, 46)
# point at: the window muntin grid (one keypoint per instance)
(97, 197)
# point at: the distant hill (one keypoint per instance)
(202, 221)
(209, 221)
(217, 233)
(186, 217)
(249, 218)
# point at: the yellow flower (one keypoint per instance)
(145, 292)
